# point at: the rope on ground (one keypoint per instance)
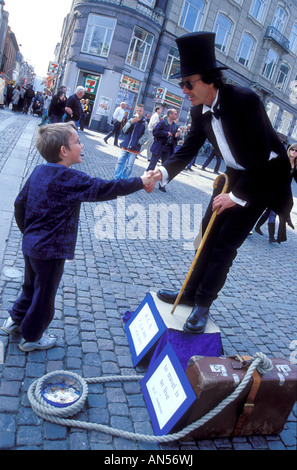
(59, 415)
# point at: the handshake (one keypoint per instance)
(149, 179)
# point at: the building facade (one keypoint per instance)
(12, 65)
(125, 50)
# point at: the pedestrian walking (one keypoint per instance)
(154, 120)
(73, 109)
(136, 132)
(213, 154)
(118, 116)
(166, 136)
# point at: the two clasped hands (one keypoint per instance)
(220, 202)
(149, 179)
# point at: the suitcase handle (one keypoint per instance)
(240, 362)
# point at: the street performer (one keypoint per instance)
(234, 120)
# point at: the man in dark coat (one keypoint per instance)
(234, 120)
(28, 97)
(73, 107)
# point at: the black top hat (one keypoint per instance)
(197, 54)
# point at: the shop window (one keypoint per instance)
(282, 76)
(272, 110)
(294, 133)
(285, 123)
(98, 36)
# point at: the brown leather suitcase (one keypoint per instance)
(262, 407)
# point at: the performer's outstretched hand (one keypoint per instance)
(148, 182)
(155, 174)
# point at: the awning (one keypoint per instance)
(89, 67)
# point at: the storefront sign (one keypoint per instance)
(173, 100)
(130, 84)
(160, 93)
(53, 68)
(90, 84)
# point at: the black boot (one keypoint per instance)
(260, 222)
(170, 296)
(271, 231)
(197, 320)
(290, 223)
(257, 229)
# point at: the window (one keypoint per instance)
(270, 63)
(257, 9)
(285, 123)
(150, 3)
(245, 50)
(172, 63)
(140, 48)
(192, 14)
(282, 77)
(293, 39)
(223, 30)
(98, 35)
(272, 110)
(294, 133)
(280, 18)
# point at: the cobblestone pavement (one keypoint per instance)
(256, 310)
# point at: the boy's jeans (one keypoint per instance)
(125, 164)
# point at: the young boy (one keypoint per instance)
(47, 213)
(136, 133)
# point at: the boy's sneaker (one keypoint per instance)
(10, 327)
(45, 342)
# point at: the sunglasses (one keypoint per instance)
(188, 84)
(293, 150)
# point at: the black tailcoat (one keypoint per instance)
(263, 183)
(251, 139)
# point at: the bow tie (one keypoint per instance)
(215, 112)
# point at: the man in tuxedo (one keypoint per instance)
(234, 120)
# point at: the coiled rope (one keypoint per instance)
(59, 415)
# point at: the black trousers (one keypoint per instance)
(164, 155)
(35, 307)
(229, 231)
(115, 131)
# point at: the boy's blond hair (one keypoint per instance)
(51, 138)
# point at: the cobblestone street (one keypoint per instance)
(255, 311)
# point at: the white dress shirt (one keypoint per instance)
(119, 114)
(223, 146)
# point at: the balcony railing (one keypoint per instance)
(273, 33)
(157, 16)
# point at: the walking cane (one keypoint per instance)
(206, 233)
